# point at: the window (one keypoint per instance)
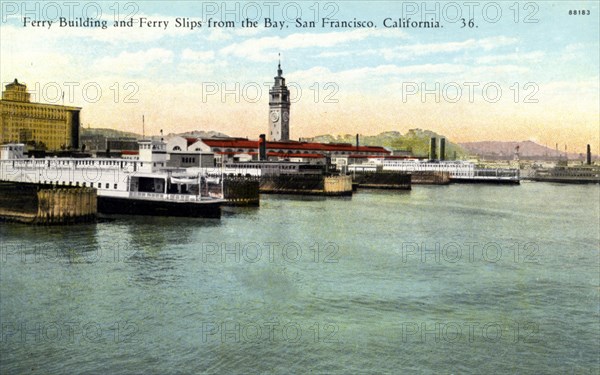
(115, 186)
(107, 185)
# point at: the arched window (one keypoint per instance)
(176, 148)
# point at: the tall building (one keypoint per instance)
(54, 127)
(279, 109)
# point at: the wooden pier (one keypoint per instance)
(47, 204)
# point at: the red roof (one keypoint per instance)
(301, 155)
(277, 154)
(354, 156)
(191, 141)
(292, 145)
(230, 142)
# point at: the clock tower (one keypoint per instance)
(279, 109)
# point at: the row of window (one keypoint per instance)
(83, 184)
(290, 152)
(38, 114)
(261, 166)
(84, 162)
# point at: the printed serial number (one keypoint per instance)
(579, 13)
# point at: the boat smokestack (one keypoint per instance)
(442, 148)
(432, 150)
(589, 155)
(357, 142)
(262, 147)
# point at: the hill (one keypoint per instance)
(112, 133)
(415, 141)
(506, 150)
(197, 134)
(108, 133)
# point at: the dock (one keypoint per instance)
(46, 204)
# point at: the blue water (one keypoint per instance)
(441, 279)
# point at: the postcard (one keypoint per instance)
(274, 187)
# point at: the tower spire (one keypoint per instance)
(279, 71)
(279, 108)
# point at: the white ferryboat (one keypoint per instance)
(581, 174)
(459, 171)
(138, 185)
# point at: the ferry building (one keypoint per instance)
(54, 126)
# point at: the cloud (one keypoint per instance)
(135, 61)
(191, 55)
(573, 52)
(422, 49)
(408, 52)
(258, 49)
(361, 76)
(494, 70)
(535, 56)
(579, 88)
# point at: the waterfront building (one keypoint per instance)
(279, 109)
(242, 149)
(49, 126)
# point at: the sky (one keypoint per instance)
(518, 71)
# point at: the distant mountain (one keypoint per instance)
(108, 133)
(197, 134)
(112, 133)
(415, 141)
(506, 150)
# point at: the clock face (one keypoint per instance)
(286, 116)
(274, 116)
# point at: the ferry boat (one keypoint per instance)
(459, 171)
(267, 168)
(136, 185)
(583, 174)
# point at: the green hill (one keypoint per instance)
(415, 141)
